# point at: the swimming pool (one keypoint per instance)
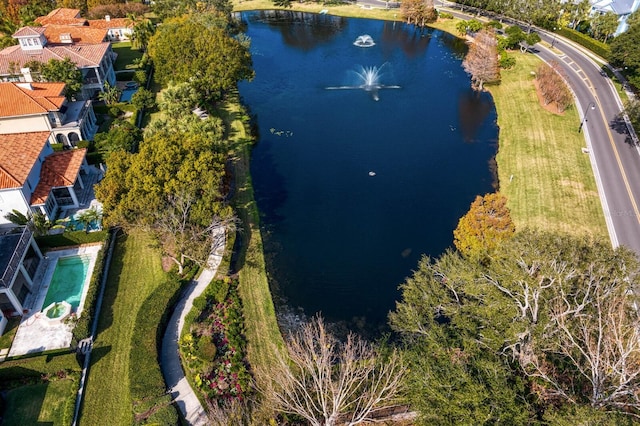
(126, 95)
(74, 224)
(68, 280)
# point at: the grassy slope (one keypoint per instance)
(135, 272)
(261, 326)
(553, 186)
(41, 404)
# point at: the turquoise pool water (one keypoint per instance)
(68, 280)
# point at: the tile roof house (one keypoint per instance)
(95, 60)
(62, 16)
(66, 34)
(34, 178)
(19, 260)
(35, 107)
(118, 29)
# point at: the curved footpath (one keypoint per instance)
(181, 392)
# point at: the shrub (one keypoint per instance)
(506, 61)
(57, 147)
(445, 15)
(114, 111)
(140, 77)
(83, 144)
(67, 239)
(125, 76)
(597, 47)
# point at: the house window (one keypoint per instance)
(30, 42)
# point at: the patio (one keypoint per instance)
(36, 332)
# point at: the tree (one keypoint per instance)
(143, 30)
(470, 26)
(418, 12)
(65, 71)
(552, 85)
(625, 53)
(184, 50)
(632, 110)
(604, 25)
(487, 224)
(328, 382)
(143, 99)
(178, 100)
(563, 310)
(36, 222)
(87, 217)
(110, 95)
(481, 61)
(122, 136)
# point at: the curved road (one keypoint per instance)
(615, 157)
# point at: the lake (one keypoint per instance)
(355, 180)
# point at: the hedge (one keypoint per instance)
(146, 383)
(599, 48)
(83, 325)
(34, 367)
(74, 238)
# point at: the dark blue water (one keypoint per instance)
(337, 239)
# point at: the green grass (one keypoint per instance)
(553, 186)
(48, 403)
(9, 332)
(262, 332)
(346, 10)
(73, 238)
(126, 56)
(135, 272)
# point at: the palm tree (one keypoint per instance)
(87, 217)
(143, 29)
(110, 95)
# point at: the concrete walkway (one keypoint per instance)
(170, 363)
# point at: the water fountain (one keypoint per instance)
(370, 78)
(364, 40)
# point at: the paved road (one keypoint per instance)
(614, 157)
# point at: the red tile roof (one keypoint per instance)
(112, 23)
(58, 169)
(83, 55)
(18, 154)
(78, 34)
(40, 99)
(62, 16)
(28, 31)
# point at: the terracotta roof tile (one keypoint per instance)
(18, 154)
(28, 31)
(62, 16)
(40, 99)
(83, 55)
(78, 34)
(112, 23)
(58, 169)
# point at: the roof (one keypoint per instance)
(8, 245)
(619, 7)
(84, 35)
(28, 31)
(18, 154)
(17, 99)
(110, 24)
(59, 169)
(62, 16)
(83, 55)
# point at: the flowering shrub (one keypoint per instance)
(225, 377)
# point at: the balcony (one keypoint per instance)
(20, 245)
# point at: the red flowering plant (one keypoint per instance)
(217, 344)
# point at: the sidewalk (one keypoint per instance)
(170, 363)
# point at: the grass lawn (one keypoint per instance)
(350, 10)
(49, 403)
(126, 56)
(262, 330)
(9, 332)
(135, 272)
(546, 177)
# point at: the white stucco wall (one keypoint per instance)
(31, 123)
(11, 199)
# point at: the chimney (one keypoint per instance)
(66, 38)
(26, 73)
(107, 18)
(26, 86)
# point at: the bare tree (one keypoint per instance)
(328, 382)
(418, 12)
(181, 239)
(553, 88)
(481, 61)
(597, 328)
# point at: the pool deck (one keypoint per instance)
(37, 333)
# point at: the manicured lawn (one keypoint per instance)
(350, 10)
(136, 271)
(126, 56)
(262, 331)
(9, 332)
(546, 177)
(49, 403)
